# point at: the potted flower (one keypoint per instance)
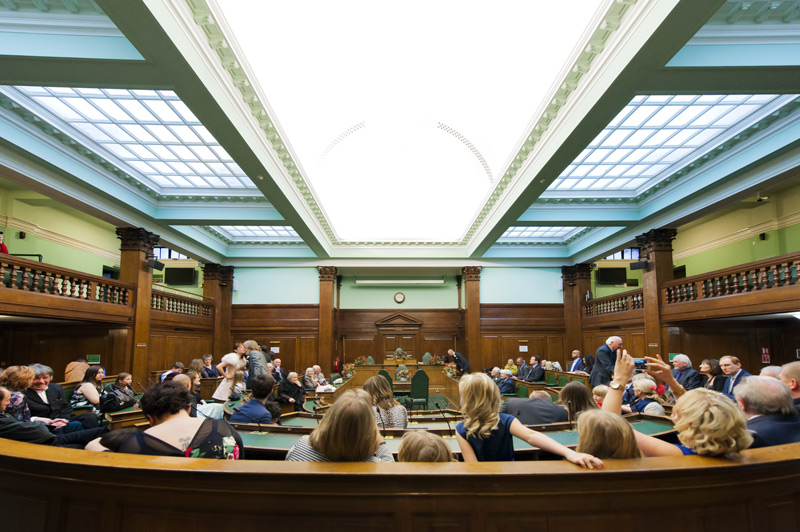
(450, 368)
(435, 361)
(399, 354)
(347, 370)
(402, 375)
(360, 361)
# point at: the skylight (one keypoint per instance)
(654, 136)
(401, 117)
(150, 134)
(258, 233)
(539, 234)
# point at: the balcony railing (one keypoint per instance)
(189, 305)
(751, 277)
(31, 276)
(625, 301)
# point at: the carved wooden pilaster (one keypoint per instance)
(218, 285)
(472, 319)
(327, 329)
(137, 239)
(655, 247)
(577, 280)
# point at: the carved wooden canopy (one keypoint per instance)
(398, 320)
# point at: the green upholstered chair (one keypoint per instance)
(419, 389)
(426, 358)
(522, 391)
(549, 378)
(370, 360)
(385, 374)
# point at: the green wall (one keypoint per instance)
(276, 286)
(355, 296)
(521, 285)
(608, 290)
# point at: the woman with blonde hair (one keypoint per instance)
(707, 422)
(347, 433)
(238, 386)
(606, 435)
(486, 435)
(18, 379)
(647, 399)
(423, 446)
(388, 412)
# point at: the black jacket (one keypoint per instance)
(58, 407)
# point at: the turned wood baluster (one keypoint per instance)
(762, 278)
(792, 272)
(3, 275)
(37, 275)
(26, 279)
(726, 285)
(76, 288)
(787, 273)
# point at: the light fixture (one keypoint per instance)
(390, 282)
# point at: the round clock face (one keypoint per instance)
(399, 297)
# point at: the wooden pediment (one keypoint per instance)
(398, 319)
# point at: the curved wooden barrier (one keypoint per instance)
(48, 488)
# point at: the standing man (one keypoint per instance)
(732, 369)
(604, 360)
(461, 363)
(577, 362)
(686, 376)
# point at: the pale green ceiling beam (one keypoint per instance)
(599, 214)
(212, 213)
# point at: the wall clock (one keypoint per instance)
(399, 297)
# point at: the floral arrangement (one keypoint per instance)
(435, 361)
(450, 368)
(347, 370)
(399, 354)
(360, 361)
(402, 374)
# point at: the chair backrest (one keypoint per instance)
(370, 360)
(426, 357)
(419, 384)
(385, 374)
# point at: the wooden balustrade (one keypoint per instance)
(178, 304)
(633, 300)
(746, 278)
(31, 276)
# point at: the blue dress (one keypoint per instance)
(498, 447)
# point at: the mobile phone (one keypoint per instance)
(640, 364)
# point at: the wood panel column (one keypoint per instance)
(472, 299)
(655, 247)
(327, 329)
(218, 285)
(136, 245)
(577, 281)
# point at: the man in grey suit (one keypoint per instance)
(536, 410)
(686, 376)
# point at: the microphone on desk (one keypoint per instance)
(569, 414)
(381, 418)
(449, 428)
(151, 382)
(245, 414)
(140, 386)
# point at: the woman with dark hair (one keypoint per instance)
(173, 432)
(710, 369)
(576, 397)
(90, 390)
(120, 393)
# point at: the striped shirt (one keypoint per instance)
(303, 452)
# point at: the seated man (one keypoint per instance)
(278, 373)
(536, 374)
(767, 404)
(32, 432)
(177, 368)
(538, 409)
(319, 376)
(75, 370)
(495, 374)
(790, 376)
(255, 411)
(686, 376)
(505, 383)
(522, 368)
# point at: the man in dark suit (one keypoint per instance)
(686, 376)
(278, 373)
(505, 383)
(522, 369)
(577, 362)
(604, 360)
(767, 404)
(536, 373)
(790, 376)
(46, 400)
(461, 363)
(537, 410)
(732, 369)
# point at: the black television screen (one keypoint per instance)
(180, 276)
(612, 276)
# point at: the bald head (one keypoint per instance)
(790, 376)
(183, 380)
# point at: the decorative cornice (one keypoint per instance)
(216, 272)
(45, 234)
(471, 273)
(137, 239)
(230, 242)
(571, 274)
(562, 243)
(327, 273)
(656, 240)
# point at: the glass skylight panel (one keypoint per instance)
(530, 234)
(150, 134)
(654, 136)
(258, 233)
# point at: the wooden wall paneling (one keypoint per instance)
(354, 347)
(492, 350)
(436, 344)
(158, 356)
(635, 344)
(555, 350)
(307, 352)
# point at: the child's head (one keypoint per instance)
(422, 446)
(606, 435)
(599, 393)
(480, 401)
(238, 377)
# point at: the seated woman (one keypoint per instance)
(647, 400)
(209, 370)
(606, 435)
(347, 433)
(513, 368)
(17, 379)
(708, 423)
(48, 404)
(576, 398)
(715, 379)
(122, 391)
(388, 412)
(89, 391)
(292, 391)
(422, 446)
(309, 381)
(173, 432)
(485, 435)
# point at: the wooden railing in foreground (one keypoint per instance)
(31, 276)
(53, 489)
(188, 305)
(751, 277)
(633, 300)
